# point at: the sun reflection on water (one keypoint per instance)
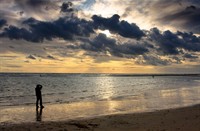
(105, 87)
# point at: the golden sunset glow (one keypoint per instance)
(99, 36)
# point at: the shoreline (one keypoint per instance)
(77, 110)
(184, 118)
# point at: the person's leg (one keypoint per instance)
(37, 102)
(41, 105)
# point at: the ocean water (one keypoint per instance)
(160, 91)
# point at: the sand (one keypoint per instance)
(181, 119)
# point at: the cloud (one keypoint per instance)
(146, 47)
(6, 56)
(16, 10)
(152, 60)
(31, 57)
(37, 4)
(174, 46)
(190, 56)
(66, 28)
(103, 44)
(2, 22)
(69, 27)
(12, 66)
(183, 14)
(114, 25)
(188, 19)
(171, 43)
(130, 49)
(30, 21)
(66, 7)
(33, 2)
(99, 44)
(51, 57)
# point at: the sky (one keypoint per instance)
(100, 36)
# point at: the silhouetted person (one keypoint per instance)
(39, 114)
(38, 96)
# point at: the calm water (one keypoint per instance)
(170, 91)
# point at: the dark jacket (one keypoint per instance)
(38, 91)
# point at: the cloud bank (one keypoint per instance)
(185, 14)
(145, 47)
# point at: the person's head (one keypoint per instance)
(39, 86)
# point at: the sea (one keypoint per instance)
(152, 91)
(80, 96)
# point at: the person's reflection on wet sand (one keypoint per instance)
(39, 114)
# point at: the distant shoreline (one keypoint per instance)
(104, 74)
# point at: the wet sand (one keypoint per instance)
(182, 119)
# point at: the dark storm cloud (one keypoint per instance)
(170, 43)
(13, 32)
(68, 27)
(67, 7)
(155, 42)
(2, 22)
(187, 15)
(65, 28)
(130, 49)
(191, 41)
(177, 47)
(114, 25)
(30, 21)
(102, 43)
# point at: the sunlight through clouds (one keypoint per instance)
(93, 36)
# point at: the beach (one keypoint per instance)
(183, 119)
(100, 65)
(100, 102)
